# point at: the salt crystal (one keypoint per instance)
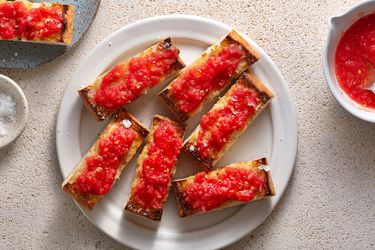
(264, 167)
(7, 112)
(3, 132)
(127, 123)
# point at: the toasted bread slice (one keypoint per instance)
(126, 72)
(205, 202)
(145, 198)
(207, 148)
(122, 118)
(54, 26)
(186, 95)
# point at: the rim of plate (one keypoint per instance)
(205, 29)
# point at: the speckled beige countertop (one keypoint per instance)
(331, 197)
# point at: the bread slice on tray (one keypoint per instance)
(155, 168)
(50, 23)
(227, 120)
(100, 168)
(132, 78)
(235, 184)
(209, 75)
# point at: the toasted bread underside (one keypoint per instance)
(131, 205)
(70, 185)
(249, 58)
(259, 165)
(247, 80)
(65, 36)
(87, 93)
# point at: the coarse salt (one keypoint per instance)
(127, 123)
(7, 112)
(264, 167)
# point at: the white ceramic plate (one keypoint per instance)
(273, 134)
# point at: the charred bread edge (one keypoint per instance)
(69, 20)
(153, 214)
(246, 79)
(101, 113)
(251, 55)
(67, 32)
(98, 112)
(89, 200)
(183, 208)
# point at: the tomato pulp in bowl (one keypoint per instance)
(355, 59)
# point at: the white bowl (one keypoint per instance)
(14, 128)
(337, 26)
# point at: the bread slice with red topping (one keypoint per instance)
(227, 120)
(132, 78)
(209, 75)
(50, 23)
(101, 167)
(155, 168)
(235, 184)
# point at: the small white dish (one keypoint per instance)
(15, 127)
(337, 26)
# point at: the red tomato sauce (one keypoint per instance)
(156, 170)
(356, 50)
(233, 184)
(196, 83)
(101, 169)
(123, 84)
(218, 125)
(16, 21)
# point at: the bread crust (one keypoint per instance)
(66, 35)
(70, 186)
(251, 53)
(179, 186)
(251, 56)
(100, 113)
(69, 24)
(131, 205)
(247, 80)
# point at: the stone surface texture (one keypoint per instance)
(331, 197)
